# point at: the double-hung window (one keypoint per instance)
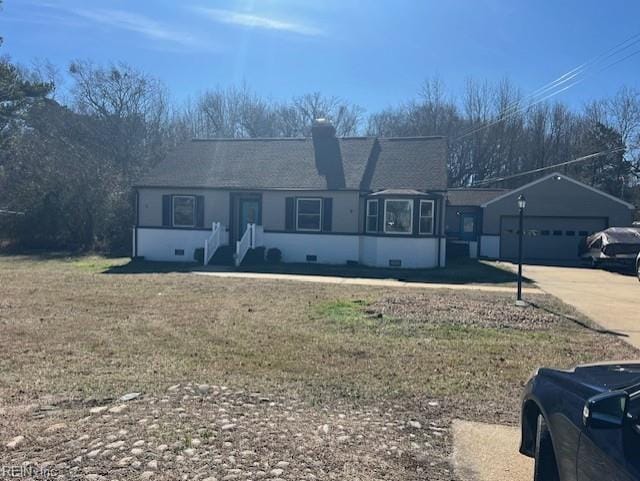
(309, 214)
(372, 215)
(398, 216)
(426, 217)
(184, 210)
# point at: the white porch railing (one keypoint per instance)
(217, 238)
(244, 244)
(258, 236)
(253, 237)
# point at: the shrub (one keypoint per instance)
(274, 255)
(255, 256)
(198, 255)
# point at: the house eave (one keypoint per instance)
(274, 189)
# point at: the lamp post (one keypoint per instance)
(522, 203)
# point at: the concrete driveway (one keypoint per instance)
(488, 452)
(611, 299)
(362, 281)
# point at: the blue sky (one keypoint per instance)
(374, 53)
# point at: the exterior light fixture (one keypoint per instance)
(522, 203)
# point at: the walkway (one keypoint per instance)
(360, 281)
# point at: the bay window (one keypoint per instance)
(426, 217)
(372, 216)
(398, 216)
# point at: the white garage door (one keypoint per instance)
(547, 238)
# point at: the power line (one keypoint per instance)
(551, 89)
(576, 71)
(620, 60)
(549, 167)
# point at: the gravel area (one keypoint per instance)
(208, 432)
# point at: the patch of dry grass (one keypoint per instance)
(70, 331)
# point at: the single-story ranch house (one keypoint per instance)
(379, 202)
(373, 201)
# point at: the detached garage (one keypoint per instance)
(560, 211)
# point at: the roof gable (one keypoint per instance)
(561, 176)
(418, 163)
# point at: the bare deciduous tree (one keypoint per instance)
(132, 106)
(495, 132)
(240, 113)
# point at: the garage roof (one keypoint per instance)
(472, 196)
(559, 176)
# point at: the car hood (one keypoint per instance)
(606, 376)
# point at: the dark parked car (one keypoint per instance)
(582, 424)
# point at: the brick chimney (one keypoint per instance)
(328, 156)
(322, 129)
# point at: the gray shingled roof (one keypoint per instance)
(353, 163)
(472, 196)
(397, 192)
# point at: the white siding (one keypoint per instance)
(443, 252)
(490, 246)
(161, 244)
(413, 252)
(329, 249)
(473, 249)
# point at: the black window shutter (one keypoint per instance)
(327, 213)
(166, 211)
(290, 213)
(199, 210)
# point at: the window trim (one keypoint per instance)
(317, 199)
(368, 215)
(432, 217)
(384, 226)
(173, 210)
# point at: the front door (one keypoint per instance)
(468, 226)
(248, 213)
